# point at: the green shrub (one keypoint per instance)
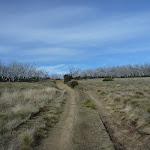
(89, 104)
(108, 79)
(67, 78)
(99, 90)
(73, 84)
(58, 111)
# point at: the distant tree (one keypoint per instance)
(16, 71)
(56, 76)
(74, 72)
(117, 71)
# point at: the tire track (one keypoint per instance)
(117, 145)
(79, 128)
(89, 131)
(60, 136)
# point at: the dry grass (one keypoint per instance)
(19, 102)
(123, 92)
(27, 139)
(127, 104)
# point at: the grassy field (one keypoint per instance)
(27, 111)
(125, 107)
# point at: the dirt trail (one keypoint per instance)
(89, 131)
(79, 128)
(103, 115)
(60, 136)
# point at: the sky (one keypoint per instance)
(57, 34)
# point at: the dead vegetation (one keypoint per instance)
(27, 111)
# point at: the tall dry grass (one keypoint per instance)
(18, 103)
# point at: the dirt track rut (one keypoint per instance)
(79, 128)
(60, 136)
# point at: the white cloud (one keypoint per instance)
(31, 27)
(70, 29)
(60, 69)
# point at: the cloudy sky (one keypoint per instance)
(56, 34)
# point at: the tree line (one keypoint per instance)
(20, 72)
(16, 71)
(112, 72)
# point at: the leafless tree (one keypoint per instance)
(74, 72)
(16, 71)
(56, 76)
(117, 71)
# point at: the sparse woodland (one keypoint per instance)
(113, 72)
(30, 111)
(16, 71)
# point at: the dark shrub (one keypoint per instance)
(85, 77)
(67, 78)
(73, 84)
(108, 79)
(77, 78)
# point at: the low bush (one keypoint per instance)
(77, 78)
(108, 79)
(67, 78)
(99, 90)
(73, 84)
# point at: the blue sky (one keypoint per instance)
(56, 34)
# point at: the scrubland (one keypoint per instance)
(125, 109)
(27, 112)
(108, 114)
